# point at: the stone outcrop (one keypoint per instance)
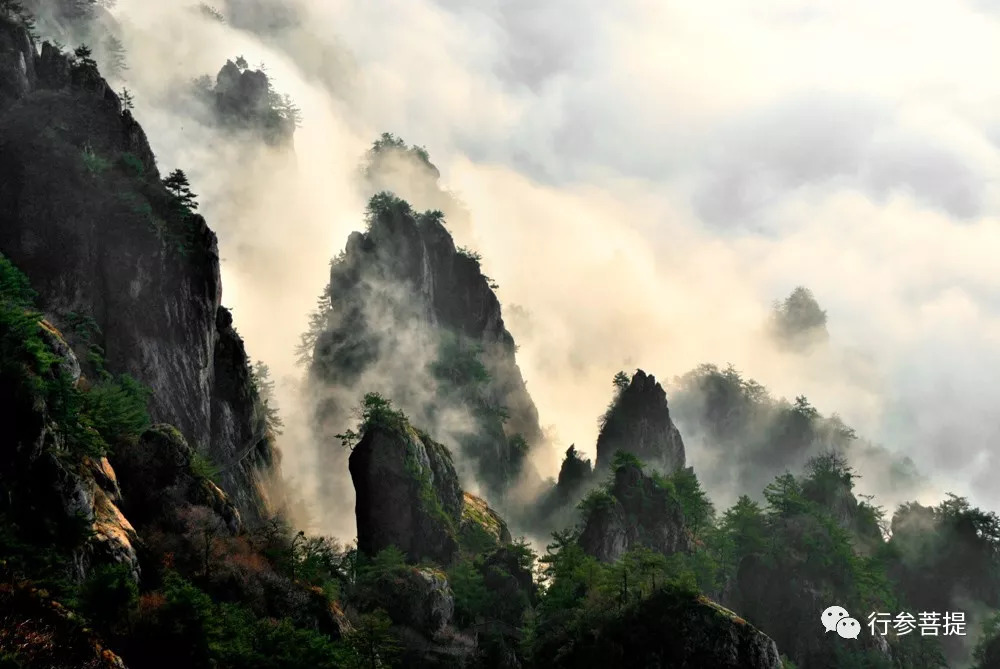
(635, 511)
(243, 99)
(638, 422)
(42, 483)
(159, 480)
(480, 525)
(103, 241)
(669, 629)
(407, 495)
(418, 598)
(404, 281)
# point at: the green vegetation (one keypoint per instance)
(260, 376)
(474, 256)
(375, 412)
(86, 422)
(93, 419)
(115, 63)
(132, 166)
(699, 512)
(92, 162)
(385, 204)
(203, 467)
(458, 362)
(391, 145)
(798, 320)
(620, 382)
(183, 227)
(178, 185)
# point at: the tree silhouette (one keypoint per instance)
(115, 50)
(179, 186)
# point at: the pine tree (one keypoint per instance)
(128, 100)
(265, 391)
(116, 65)
(84, 57)
(178, 185)
(290, 111)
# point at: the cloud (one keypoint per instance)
(643, 179)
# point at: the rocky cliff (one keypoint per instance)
(243, 99)
(58, 487)
(635, 510)
(412, 315)
(638, 422)
(83, 213)
(407, 494)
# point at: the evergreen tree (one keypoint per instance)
(115, 51)
(128, 100)
(178, 185)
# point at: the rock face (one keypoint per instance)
(635, 511)
(418, 598)
(670, 630)
(574, 475)
(481, 526)
(639, 423)
(101, 241)
(407, 495)
(158, 481)
(243, 98)
(405, 304)
(41, 482)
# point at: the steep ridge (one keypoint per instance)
(638, 422)
(635, 510)
(412, 315)
(106, 247)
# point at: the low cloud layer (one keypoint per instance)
(643, 180)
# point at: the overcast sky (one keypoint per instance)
(645, 177)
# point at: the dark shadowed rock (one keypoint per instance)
(574, 475)
(103, 240)
(45, 488)
(46, 634)
(17, 62)
(637, 510)
(668, 629)
(407, 495)
(158, 480)
(415, 597)
(639, 423)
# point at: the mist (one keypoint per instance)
(642, 181)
